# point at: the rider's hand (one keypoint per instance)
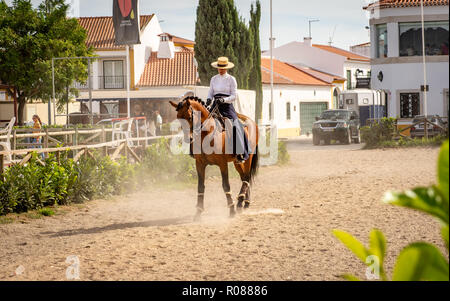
(208, 102)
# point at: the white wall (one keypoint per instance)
(353, 66)
(408, 76)
(301, 53)
(149, 43)
(403, 77)
(245, 103)
(294, 94)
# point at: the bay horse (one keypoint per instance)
(247, 170)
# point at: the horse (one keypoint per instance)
(247, 170)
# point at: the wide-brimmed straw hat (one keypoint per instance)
(222, 63)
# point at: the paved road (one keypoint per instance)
(304, 143)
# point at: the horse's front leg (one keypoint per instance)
(227, 188)
(201, 167)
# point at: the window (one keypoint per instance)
(382, 41)
(349, 79)
(436, 38)
(113, 77)
(288, 111)
(409, 105)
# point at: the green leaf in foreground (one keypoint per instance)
(377, 244)
(444, 232)
(421, 262)
(350, 277)
(428, 200)
(443, 170)
(353, 244)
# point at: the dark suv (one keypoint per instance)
(342, 125)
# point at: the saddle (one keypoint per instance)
(218, 117)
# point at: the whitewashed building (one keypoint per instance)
(299, 96)
(396, 55)
(325, 58)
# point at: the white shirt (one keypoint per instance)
(223, 84)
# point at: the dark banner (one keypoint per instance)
(126, 22)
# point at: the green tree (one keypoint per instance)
(219, 31)
(255, 80)
(29, 39)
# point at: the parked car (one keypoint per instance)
(339, 125)
(437, 127)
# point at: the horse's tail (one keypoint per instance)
(254, 166)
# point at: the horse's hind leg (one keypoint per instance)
(247, 199)
(244, 194)
(201, 190)
(227, 188)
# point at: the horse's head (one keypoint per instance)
(185, 109)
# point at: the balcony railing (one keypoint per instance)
(104, 83)
(112, 82)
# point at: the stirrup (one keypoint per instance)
(240, 159)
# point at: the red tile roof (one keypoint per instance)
(178, 40)
(179, 71)
(349, 55)
(327, 77)
(100, 31)
(288, 74)
(405, 3)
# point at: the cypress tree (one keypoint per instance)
(255, 80)
(219, 31)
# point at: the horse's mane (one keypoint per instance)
(192, 99)
(199, 100)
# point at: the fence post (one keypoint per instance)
(65, 136)
(2, 162)
(14, 146)
(75, 140)
(103, 140)
(46, 142)
(126, 149)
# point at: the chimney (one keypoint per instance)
(307, 41)
(166, 47)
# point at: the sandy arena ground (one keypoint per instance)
(285, 236)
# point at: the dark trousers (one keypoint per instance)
(240, 140)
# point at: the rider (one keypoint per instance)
(223, 88)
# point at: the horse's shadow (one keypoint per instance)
(152, 223)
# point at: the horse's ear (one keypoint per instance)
(173, 104)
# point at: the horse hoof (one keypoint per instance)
(197, 218)
(232, 213)
(246, 205)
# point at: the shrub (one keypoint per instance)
(378, 132)
(283, 154)
(34, 186)
(160, 164)
(417, 261)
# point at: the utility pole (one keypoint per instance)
(272, 106)
(311, 21)
(425, 100)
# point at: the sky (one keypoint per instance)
(342, 20)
